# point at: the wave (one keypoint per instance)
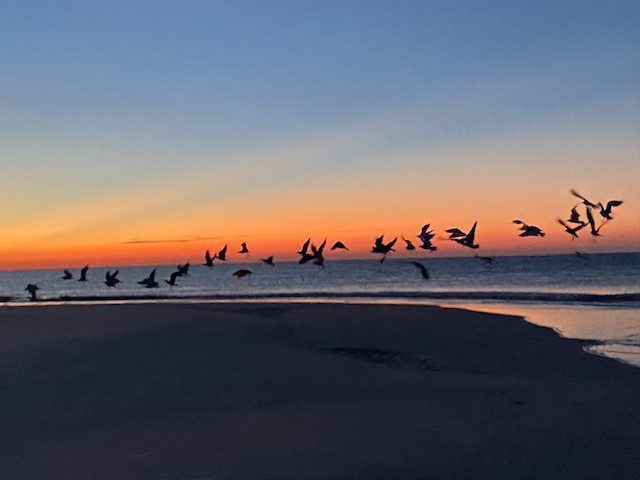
(626, 299)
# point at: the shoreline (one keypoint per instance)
(296, 390)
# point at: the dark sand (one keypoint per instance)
(306, 391)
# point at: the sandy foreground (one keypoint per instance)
(306, 391)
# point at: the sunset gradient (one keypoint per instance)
(147, 133)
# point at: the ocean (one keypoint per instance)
(594, 297)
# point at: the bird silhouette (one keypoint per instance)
(573, 231)
(244, 248)
(111, 280)
(606, 211)
(242, 273)
(584, 200)
(383, 248)
(221, 255)
(339, 245)
(208, 260)
(305, 256)
(592, 224)
(150, 281)
(269, 261)
(529, 230)
(172, 278)
(423, 270)
(575, 215)
(83, 274)
(410, 245)
(425, 236)
(183, 270)
(32, 288)
(464, 239)
(318, 257)
(487, 260)
(67, 275)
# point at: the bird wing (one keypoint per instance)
(455, 233)
(614, 203)
(576, 194)
(207, 256)
(472, 233)
(173, 277)
(592, 222)
(423, 270)
(305, 247)
(392, 242)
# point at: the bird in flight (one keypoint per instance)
(83, 274)
(575, 215)
(244, 248)
(383, 248)
(464, 239)
(172, 278)
(242, 273)
(269, 261)
(423, 270)
(305, 256)
(221, 255)
(573, 231)
(318, 257)
(425, 236)
(183, 270)
(592, 224)
(529, 230)
(151, 279)
(208, 260)
(606, 211)
(584, 200)
(32, 288)
(410, 245)
(67, 275)
(111, 280)
(339, 245)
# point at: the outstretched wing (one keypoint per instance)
(472, 233)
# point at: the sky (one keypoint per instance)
(146, 132)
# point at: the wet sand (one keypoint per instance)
(306, 391)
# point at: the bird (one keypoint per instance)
(208, 260)
(575, 215)
(172, 278)
(425, 236)
(111, 280)
(242, 273)
(221, 255)
(339, 245)
(184, 269)
(423, 270)
(592, 224)
(305, 256)
(410, 245)
(269, 261)
(584, 200)
(464, 239)
(150, 281)
(32, 288)
(383, 248)
(244, 248)
(606, 212)
(67, 275)
(573, 231)
(486, 260)
(83, 274)
(318, 258)
(529, 230)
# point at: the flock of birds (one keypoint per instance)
(310, 253)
